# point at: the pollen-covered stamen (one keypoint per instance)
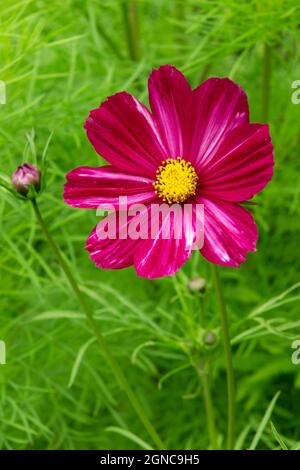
(176, 180)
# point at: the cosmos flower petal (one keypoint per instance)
(219, 105)
(170, 97)
(157, 257)
(229, 232)
(111, 253)
(242, 166)
(88, 187)
(123, 132)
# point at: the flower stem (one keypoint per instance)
(266, 82)
(204, 377)
(131, 27)
(115, 368)
(228, 358)
(209, 409)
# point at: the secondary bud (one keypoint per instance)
(209, 338)
(25, 176)
(197, 284)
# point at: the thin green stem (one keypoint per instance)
(228, 358)
(117, 371)
(179, 14)
(131, 26)
(97, 31)
(203, 371)
(266, 83)
(180, 10)
(209, 408)
(202, 310)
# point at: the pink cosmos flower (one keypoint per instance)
(195, 146)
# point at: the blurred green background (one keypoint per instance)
(58, 61)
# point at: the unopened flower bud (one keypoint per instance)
(209, 338)
(25, 176)
(197, 284)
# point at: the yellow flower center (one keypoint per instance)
(176, 180)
